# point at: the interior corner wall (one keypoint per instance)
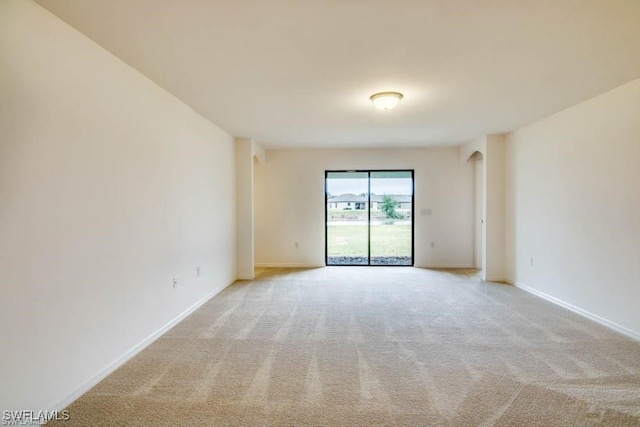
(109, 188)
(245, 208)
(573, 207)
(493, 269)
(290, 203)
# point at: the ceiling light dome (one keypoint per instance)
(386, 100)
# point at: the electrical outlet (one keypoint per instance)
(198, 271)
(433, 245)
(296, 245)
(175, 283)
(531, 261)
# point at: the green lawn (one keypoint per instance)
(386, 240)
(362, 215)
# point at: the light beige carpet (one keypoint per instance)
(365, 346)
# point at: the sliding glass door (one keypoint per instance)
(369, 217)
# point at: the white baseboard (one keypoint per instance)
(465, 266)
(82, 389)
(286, 265)
(497, 279)
(294, 265)
(604, 322)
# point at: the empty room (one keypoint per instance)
(320, 212)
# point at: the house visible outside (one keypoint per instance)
(404, 201)
(351, 201)
(348, 202)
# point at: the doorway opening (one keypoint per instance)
(369, 217)
(479, 230)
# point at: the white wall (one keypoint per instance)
(573, 204)
(289, 204)
(109, 188)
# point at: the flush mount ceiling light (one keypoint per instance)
(386, 100)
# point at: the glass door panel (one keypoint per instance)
(347, 216)
(391, 218)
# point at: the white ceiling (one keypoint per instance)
(298, 73)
